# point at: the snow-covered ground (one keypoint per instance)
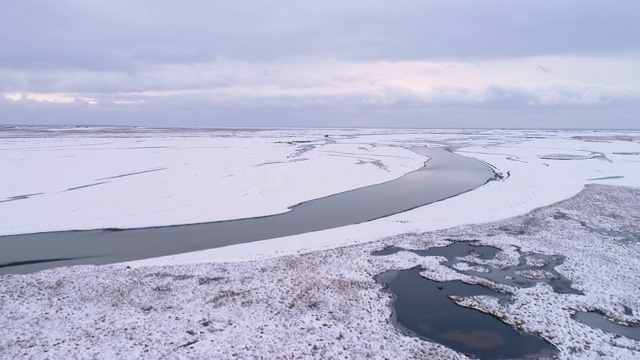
(530, 182)
(129, 179)
(326, 304)
(311, 294)
(71, 179)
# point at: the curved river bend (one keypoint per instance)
(443, 176)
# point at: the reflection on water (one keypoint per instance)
(423, 306)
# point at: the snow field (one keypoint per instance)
(312, 295)
(530, 183)
(89, 183)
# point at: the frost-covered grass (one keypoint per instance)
(326, 304)
(295, 306)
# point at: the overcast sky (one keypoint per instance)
(449, 63)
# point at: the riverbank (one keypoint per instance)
(529, 181)
(445, 175)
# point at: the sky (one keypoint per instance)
(419, 64)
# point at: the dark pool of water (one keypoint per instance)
(444, 176)
(423, 307)
(599, 321)
(455, 249)
(540, 268)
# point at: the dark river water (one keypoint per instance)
(443, 176)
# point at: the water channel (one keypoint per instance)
(424, 306)
(445, 175)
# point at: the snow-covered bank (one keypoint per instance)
(77, 178)
(327, 304)
(91, 179)
(530, 181)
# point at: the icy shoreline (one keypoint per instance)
(327, 304)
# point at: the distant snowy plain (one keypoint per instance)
(311, 294)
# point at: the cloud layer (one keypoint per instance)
(290, 63)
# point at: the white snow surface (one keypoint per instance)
(309, 295)
(92, 180)
(530, 182)
(145, 177)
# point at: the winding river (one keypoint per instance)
(445, 175)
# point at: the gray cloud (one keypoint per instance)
(544, 69)
(502, 107)
(122, 34)
(270, 62)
